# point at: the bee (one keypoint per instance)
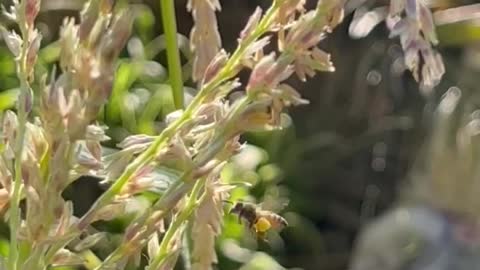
(259, 220)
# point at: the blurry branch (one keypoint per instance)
(412, 22)
(52, 5)
(343, 148)
(457, 14)
(323, 140)
(159, 44)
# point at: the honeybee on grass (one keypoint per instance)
(259, 221)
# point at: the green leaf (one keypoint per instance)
(50, 53)
(160, 101)
(124, 78)
(128, 112)
(7, 63)
(261, 261)
(166, 98)
(8, 98)
(145, 23)
(4, 247)
(458, 34)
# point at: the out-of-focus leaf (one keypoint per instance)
(7, 63)
(133, 104)
(125, 76)
(270, 172)
(250, 157)
(117, 133)
(144, 22)
(4, 247)
(151, 71)
(458, 34)
(167, 106)
(187, 71)
(261, 261)
(129, 105)
(232, 250)
(159, 44)
(50, 53)
(143, 95)
(273, 138)
(161, 96)
(135, 48)
(8, 98)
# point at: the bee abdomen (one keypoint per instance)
(277, 220)
(283, 221)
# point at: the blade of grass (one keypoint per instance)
(173, 56)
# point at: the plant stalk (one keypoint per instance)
(14, 220)
(176, 225)
(173, 55)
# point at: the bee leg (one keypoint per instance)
(261, 236)
(240, 216)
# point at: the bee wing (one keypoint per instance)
(275, 205)
(275, 199)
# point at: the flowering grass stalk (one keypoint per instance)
(189, 208)
(24, 51)
(148, 155)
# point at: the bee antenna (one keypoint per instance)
(227, 201)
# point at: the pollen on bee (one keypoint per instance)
(262, 225)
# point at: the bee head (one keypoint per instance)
(237, 208)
